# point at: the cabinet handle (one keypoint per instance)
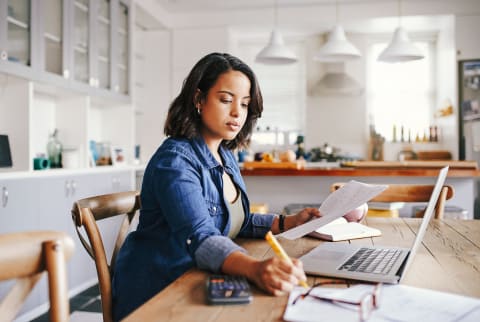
(3, 55)
(4, 197)
(74, 187)
(67, 188)
(115, 183)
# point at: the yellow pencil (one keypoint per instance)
(277, 248)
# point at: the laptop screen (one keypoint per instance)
(427, 216)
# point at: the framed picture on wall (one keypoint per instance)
(118, 156)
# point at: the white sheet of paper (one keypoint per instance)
(352, 195)
(397, 303)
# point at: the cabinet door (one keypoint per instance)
(16, 31)
(18, 213)
(52, 41)
(121, 44)
(18, 205)
(103, 43)
(121, 181)
(81, 41)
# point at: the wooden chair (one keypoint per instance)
(411, 193)
(85, 213)
(24, 257)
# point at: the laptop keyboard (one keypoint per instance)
(372, 260)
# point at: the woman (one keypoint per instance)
(193, 198)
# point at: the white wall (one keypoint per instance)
(446, 87)
(191, 44)
(152, 93)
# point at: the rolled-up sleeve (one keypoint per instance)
(257, 226)
(213, 250)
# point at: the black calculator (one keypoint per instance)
(228, 289)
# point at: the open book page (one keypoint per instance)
(341, 229)
(352, 195)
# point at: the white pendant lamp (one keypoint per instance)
(401, 48)
(337, 48)
(276, 53)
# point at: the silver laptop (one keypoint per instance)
(370, 263)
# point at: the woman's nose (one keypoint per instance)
(236, 107)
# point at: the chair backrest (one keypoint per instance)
(411, 193)
(24, 257)
(85, 213)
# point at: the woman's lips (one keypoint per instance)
(233, 126)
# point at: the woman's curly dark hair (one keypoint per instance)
(183, 119)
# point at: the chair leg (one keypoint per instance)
(57, 280)
(440, 207)
(15, 298)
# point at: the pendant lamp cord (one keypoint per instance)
(336, 12)
(399, 13)
(275, 14)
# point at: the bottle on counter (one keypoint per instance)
(54, 150)
(300, 147)
(394, 134)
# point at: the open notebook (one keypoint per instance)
(341, 229)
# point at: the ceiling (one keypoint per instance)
(179, 6)
(362, 16)
(183, 6)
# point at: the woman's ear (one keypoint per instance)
(197, 99)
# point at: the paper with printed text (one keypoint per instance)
(350, 196)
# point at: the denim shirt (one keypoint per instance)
(184, 221)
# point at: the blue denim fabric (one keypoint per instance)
(184, 222)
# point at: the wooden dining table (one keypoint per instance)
(448, 261)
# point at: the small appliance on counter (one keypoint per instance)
(5, 155)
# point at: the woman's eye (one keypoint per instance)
(245, 105)
(226, 101)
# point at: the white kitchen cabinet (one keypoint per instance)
(17, 214)
(16, 207)
(30, 112)
(65, 64)
(43, 201)
(83, 45)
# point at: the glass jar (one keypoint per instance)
(54, 150)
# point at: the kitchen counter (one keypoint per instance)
(361, 172)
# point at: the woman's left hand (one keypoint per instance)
(301, 217)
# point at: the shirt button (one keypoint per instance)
(189, 241)
(214, 208)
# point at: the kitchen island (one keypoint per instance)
(279, 187)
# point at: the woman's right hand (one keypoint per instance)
(277, 276)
